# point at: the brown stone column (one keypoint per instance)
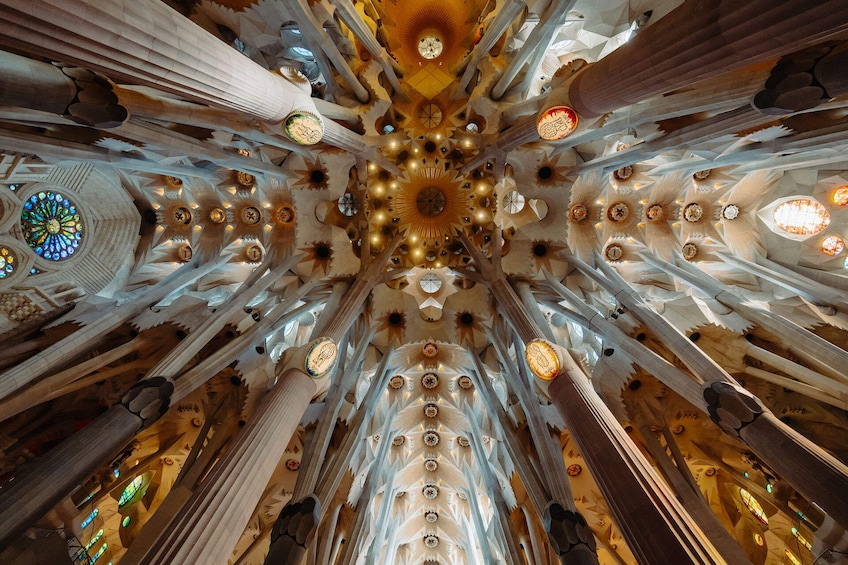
(57, 473)
(814, 473)
(654, 524)
(701, 39)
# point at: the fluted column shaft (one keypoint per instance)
(217, 513)
(145, 41)
(699, 39)
(654, 524)
(32, 495)
(34, 84)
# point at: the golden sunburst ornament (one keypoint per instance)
(431, 204)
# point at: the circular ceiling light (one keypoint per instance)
(430, 46)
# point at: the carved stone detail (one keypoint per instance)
(804, 79)
(567, 530)
(731, 406)
(149, 399)
(95, 103)
(294, 530)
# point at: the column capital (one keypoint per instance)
(317, 358)
(731, 406)
(149, 399)
(294, 530)
(567, 530)
(95, 103)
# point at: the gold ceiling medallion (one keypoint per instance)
(557, 122)
(304, 128)
(542, 359)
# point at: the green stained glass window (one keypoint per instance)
(51, 225)
(131, 490)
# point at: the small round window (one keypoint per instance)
(513, 202)
(348, 205)
(430, 283)
(51, 225)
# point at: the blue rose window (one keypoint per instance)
(51, 225)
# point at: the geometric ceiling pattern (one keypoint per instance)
(345, 282)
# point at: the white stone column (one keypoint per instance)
(216, 514)
(147, 42)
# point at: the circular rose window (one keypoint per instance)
(840, 196)
(801, 217)
(51, 225)
(8, 262)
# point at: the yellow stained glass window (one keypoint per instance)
(840, 196)
(801, 539)
(792, 558)
(753, 506)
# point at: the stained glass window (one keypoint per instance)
(801, 539)
(832, 245)
(8, 262)
(51, 225)
(131, 490)
(90, 518)
(97, 555)
(94, 540)
(801, 216)
(753, 506)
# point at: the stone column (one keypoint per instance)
(580, 542)
(147, 42)
(700, 39)
(652, 521)
(216, 514)
(57, 473)
(79, 94)
(791, 455)
(538, 41)
(814, 473)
